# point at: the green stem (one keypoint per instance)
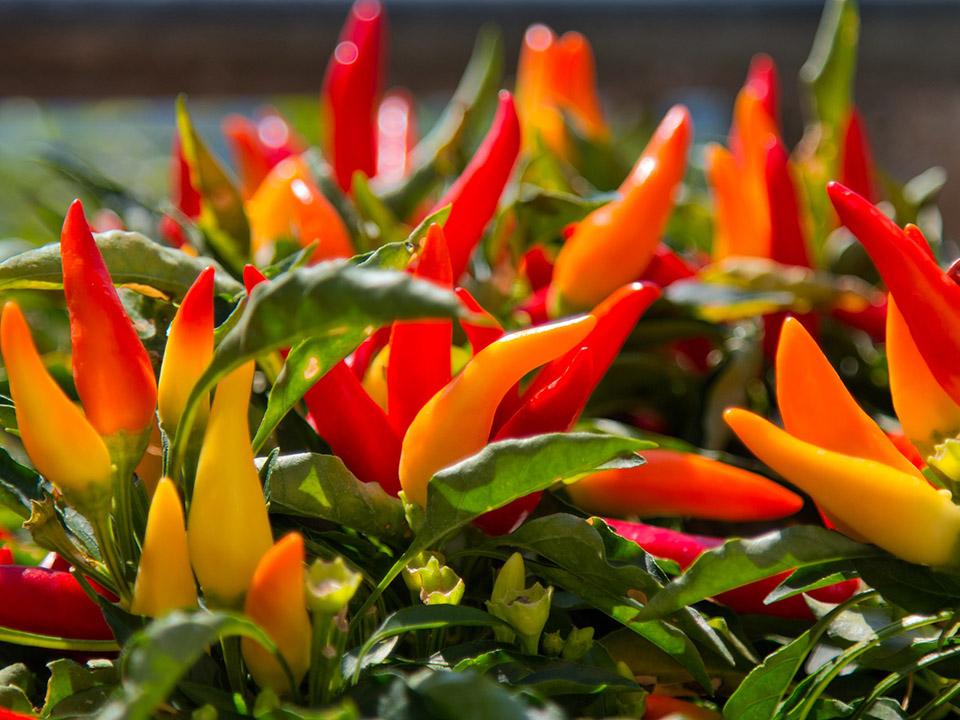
(233, 660)
(108, 551)
(322, 627)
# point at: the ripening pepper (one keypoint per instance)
(574, 81)
(927, 296)
(890, 508)
(672, 483)
(164, 580)
(183, 195)
(258, 146)
(478, 335)
(60, 441)
(289, 204)
(856, 160)
(277, 602)
(49, 602)
(419, 360)
(456, 422)
(737, 231)
(188, 352)
(227, 528)
(351, 93)
(474, 196)
(614, 244)
(111, 368)
(396, 136)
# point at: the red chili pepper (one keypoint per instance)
(535, 306)
(183, 195)
(664, 707)
(475, 194)
(396, 136)
(926, 296)
(856, 160)
(872, 319)
(6, 556)
(537, 267)
(479, 335)
(351, 423)
(366, 351)
(49, 602)
(666, 268)
(351, 92)
(684, 548)
(787, 242)
(419, 363)
(762, 81)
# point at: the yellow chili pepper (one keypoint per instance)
(187, 354)
(456, 422)
(164, 580)
(613, 245)
(888, 507)
(277, 602)
(62, 444)
(927, 413)
(228, 530)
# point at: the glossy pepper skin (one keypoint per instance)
(111, 368)
(277, 602)
(456, 422)
(60, 441)
(164, 579)
(419, 361)
(351, 93)
(677, 484)
(924, 528)
(614, 244)
(187, 354)
(474, 196)
(227, 528)
(49, 602)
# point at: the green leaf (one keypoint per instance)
(469, 696)
(392, 256)
(829, 71)
(222, 217)
(378, 225)
(17, 684)
(323, 301)
(18, 485)
(320, 486)
(75, 690)
(810, 578)
(915, 588)
(131, 258)
(740, 562)
(155, 659)
(542, 214)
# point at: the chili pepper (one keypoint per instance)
(788, 244)
(111, 368)
(456, 422)
(396, 136)
(259, 146)
(926, 412)
(818, 409)
(164, 579)
(479, 335)
(288, 203)
(183, 195)
(366, 351)
(927, 296)
(872, 319)
(738, 228)
(6, 556)
(684, 548)
(277, 602)
(537, 267)
(187, 354)
(535, 306)
(13, 715)
(614, 244)
(227, 528)
(60, 441)
(473, 198)
(856, 160)
(672, 483)
(664, 707)
(535, 95)
(150, 467)
(574, 80)
(49, 602)
(351, 91)
(763, 83)
(666, 268)
(924, 526)
(419, 363)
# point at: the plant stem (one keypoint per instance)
(108, 551)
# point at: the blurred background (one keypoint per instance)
(95, 79)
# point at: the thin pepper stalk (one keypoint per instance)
(678, 484)
(419, 361)
(351, 92)
(925, 294)
(613, 245)
(859, 493)
(456, 422)
(474, 196)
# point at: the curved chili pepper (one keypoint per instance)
(396, 136)
(277, 603)
(60, 441)
(856, 160)
(613, 245)
(672, 483)
(111, 368)
(684, 548)
(456, 422)
(859, 493)
(49, 602)
(479, 335)
(164, 578)
(663, 707)
(927, 296)
(187, 354)
(351, 91)
(227, 539)
(419, 362)
(473, 198)
(788, 244)
(762, 81)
